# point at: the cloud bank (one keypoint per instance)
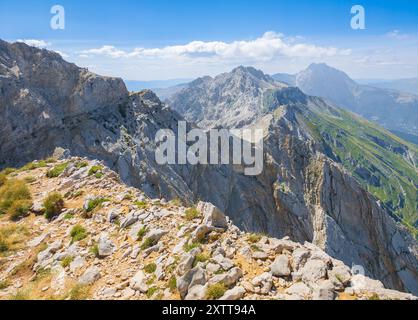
(265, 48)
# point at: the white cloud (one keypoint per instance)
(35, 43)
(396, 34)
(109, 51)
(265, 48)
(62, 54)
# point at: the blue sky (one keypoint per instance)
(163, 39)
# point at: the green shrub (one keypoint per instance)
(141, 204)
(4, 246)
(374, 296)
(13, 190)
(141, 233)
(190, 246)
(150, 268)
(147, 243)
(94, 203)
(3, 179)
(19, 209)
(12, 237)
(66, 261)
(68, 216)
(8, 171)
(172, 283)
(176, 202)
(57, 170)
(151, 292)
(95, 170)
(20, 296)
(215, 291)
(254, 237)
(4, 284)
(78, 233)
(53, 204)
(81, 164)
(30, 179)
(192, 214)
(33, 165)
(79, 292)
(95, 250)
(200, 257)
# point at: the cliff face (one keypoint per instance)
(47, 103)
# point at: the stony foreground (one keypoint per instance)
(111, 242)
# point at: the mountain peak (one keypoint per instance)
(250, 71)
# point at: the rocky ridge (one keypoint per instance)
(134, 247)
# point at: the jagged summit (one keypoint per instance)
(232, 99)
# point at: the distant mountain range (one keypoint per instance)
(395, 110)
(404, 85)
(138, 85)
(392, 104)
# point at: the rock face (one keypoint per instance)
(47, 103)
(236, 96)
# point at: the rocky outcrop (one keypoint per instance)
(226, 264)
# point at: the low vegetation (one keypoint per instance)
(200, 257)
(78, 233)
(254, 237)
(147, 243)
(15, 199)
(141, 204)
(19, 209)
(3, 179)
(79, 292)
(215, 291)
(190, 246)
(12, 238)
(96, 171)
(94, 250)
(66, 261)
(4, 284)
(53, 204)
(172, 284)
(57, 170)
(92, 204)
(191, 214)
(141, 233)
(150, 268)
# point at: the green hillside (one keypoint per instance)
(383, 163)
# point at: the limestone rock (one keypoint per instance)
(90, 276)
(280, 266)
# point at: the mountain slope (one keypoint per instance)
(110, 257)
(392, 109)
(383, 164)
(301, 193)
